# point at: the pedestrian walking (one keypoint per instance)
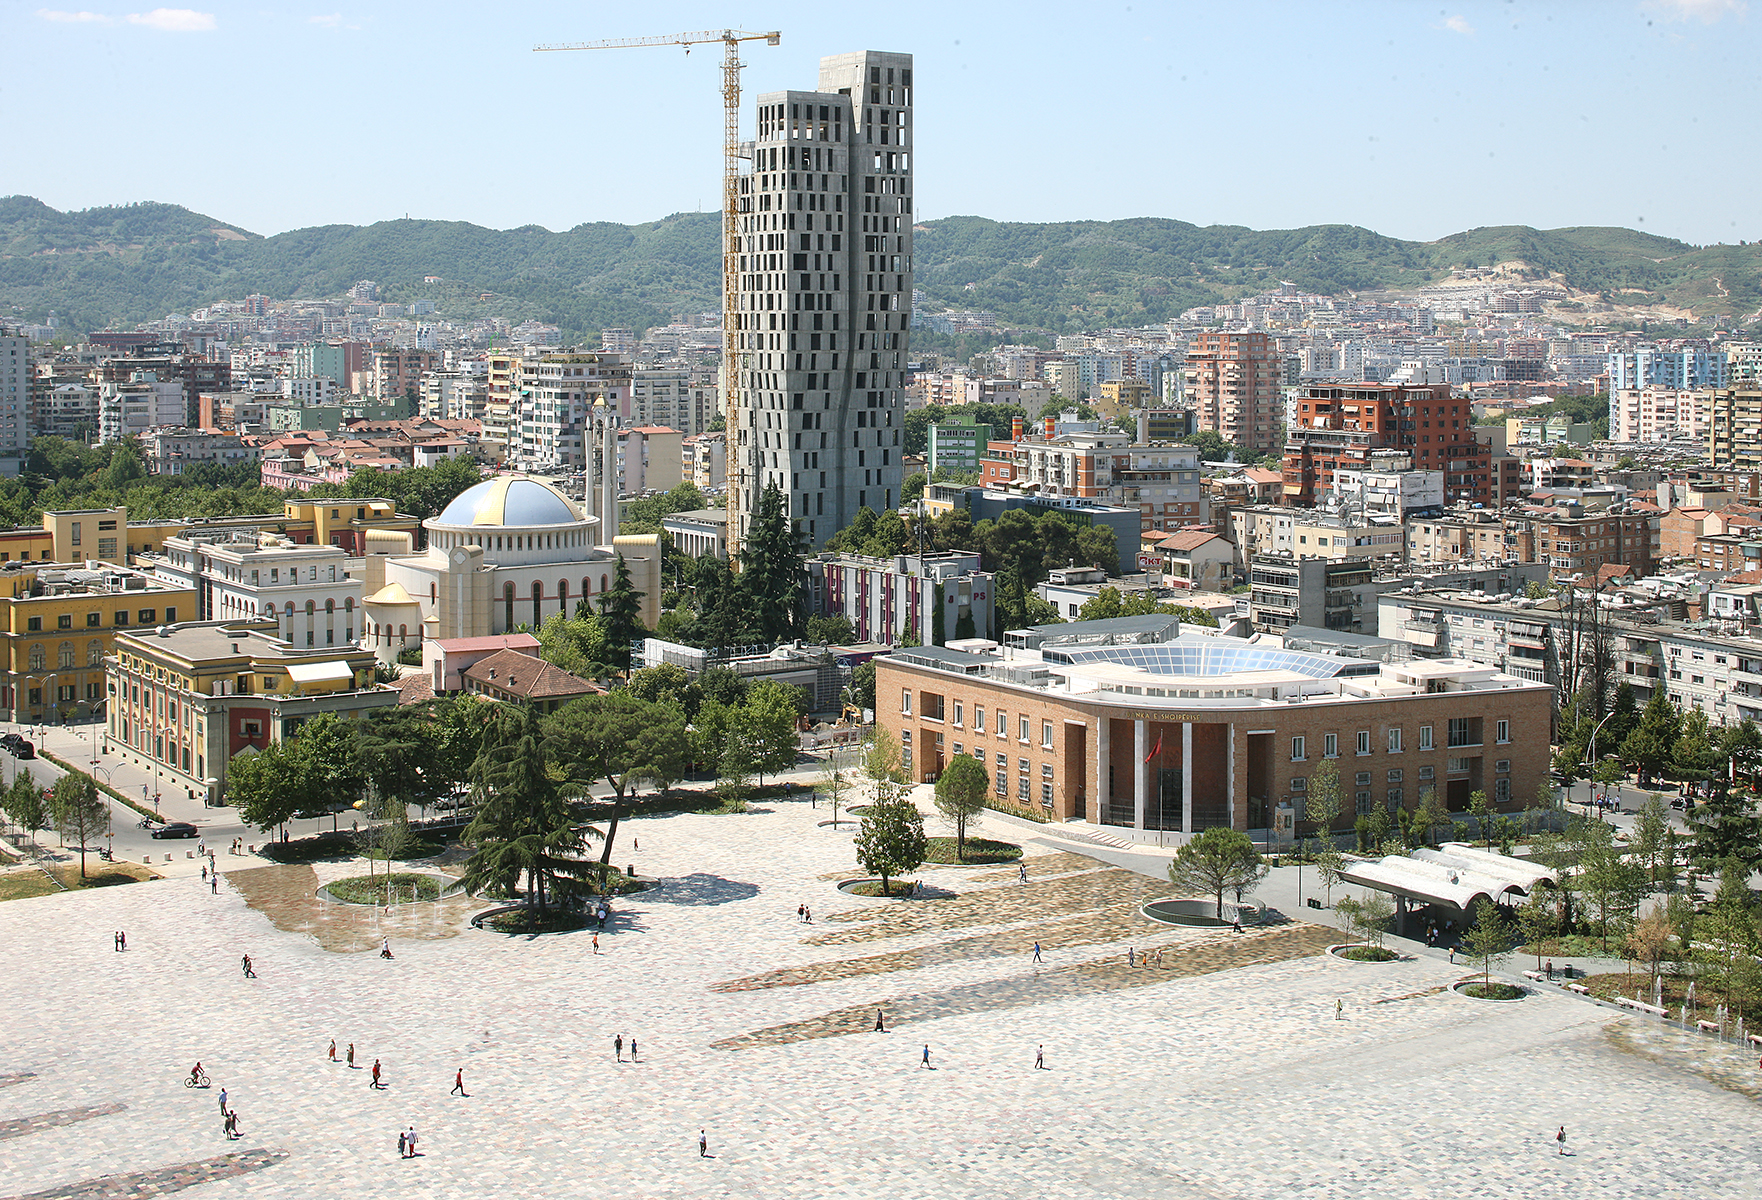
(1339, 1010)
(204, 872)
(458, 1083)
(1040, 1058)
(807, 914)
(1159, 956)
(880, 1025)
(596, 943)
(410, 1140)
(1022, 872)
(1452, 955)
(223, 1101)
(351, 1056)
(1550, 970)
(633, 1049)
(1036, 951)
(703, 1144)
(375, 1084)
(245, 964)
(332, 1049)
(231, 1125)
(122, 939)
(925, 1062)
(1560, 1139)
(801, 914)
(403, 1148)
(1131, 957)
(116, 941)
(618, 1046)
(214, 884)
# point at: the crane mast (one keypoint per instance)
(731, 66)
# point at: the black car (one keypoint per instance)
(177, 829)
(17, 745)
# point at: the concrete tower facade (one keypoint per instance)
(824, 257)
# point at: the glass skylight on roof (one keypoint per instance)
(1203, 656)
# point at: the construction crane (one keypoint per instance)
(731, 65)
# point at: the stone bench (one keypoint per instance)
(1641, 1006)
(1707, 1026)
(1535, 976)
(1580, 988)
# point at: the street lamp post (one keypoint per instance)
(1592, 764)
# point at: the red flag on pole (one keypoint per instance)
(1156, 749)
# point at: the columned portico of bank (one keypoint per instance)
(1166, 771)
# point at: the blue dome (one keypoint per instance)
(510, 500)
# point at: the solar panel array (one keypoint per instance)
(1204, 657)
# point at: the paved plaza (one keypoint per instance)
(1218, 1070)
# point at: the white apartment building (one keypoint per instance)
(172, 449)
(307, 589)
(454, 395)
(131, 409)
(15, 396)
(549, 417)
(667, 396)
(66, 409)
(321, 390)
(650, 459)
(822, 312)
(1658, 414)
(1392, 492)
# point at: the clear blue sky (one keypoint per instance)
(1413, 119)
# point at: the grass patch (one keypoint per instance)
(872, 887)
(363, 889)
(979, 850)
(1367, 953)
(22, 885)
(523, 921)
(309, 849)
(1493, 991)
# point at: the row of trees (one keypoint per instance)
(73, 806)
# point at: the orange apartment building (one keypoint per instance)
(1232, 381)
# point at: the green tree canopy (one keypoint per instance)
(1213, 862)
(961, 789)
(891, 840)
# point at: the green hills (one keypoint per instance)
(117, 266)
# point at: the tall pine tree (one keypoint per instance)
(773, 570)
(621, 618)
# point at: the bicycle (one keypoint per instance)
(196, 1080)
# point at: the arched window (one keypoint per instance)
(64, 655)
(94, 653)
(349, 604)
(311, 609)
(39, 657)
(403, 633)
(329, 606)
(290, 610)
(586, 587)
(507, 606)
(433, 591)
(602, 583)
(563, 596)
(538, 601)
(268, 610)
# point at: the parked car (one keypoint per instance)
(177, 829)
(18, 745)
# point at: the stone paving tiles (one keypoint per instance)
(37, 1122)
(163, 1181)
(1237, 1082)
(289, 896)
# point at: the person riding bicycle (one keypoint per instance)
(196, 1073)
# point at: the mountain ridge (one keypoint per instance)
(125, 264)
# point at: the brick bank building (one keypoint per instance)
(1142, 724)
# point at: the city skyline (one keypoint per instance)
(1495, 113)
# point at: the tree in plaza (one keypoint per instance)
(882, 765)
(1653, 843)
(26, 806)
(1329, 863)
(1537, 921)
(1212, 863)
(1649, 942)
(1727, 937)
(523, 824)
(1611, 883)
(620, 618)
(459, 724)
(396, 752)
(891, 839)
(1489, 938)
(80, 812)
(960, 796)
(622, 740)
(1725, 826)
(1321, 800)
(1482, 809)
(768, 726)
(1367, 919)
(268, 786)
(323, 752)
(736, 767)
(772, 568)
